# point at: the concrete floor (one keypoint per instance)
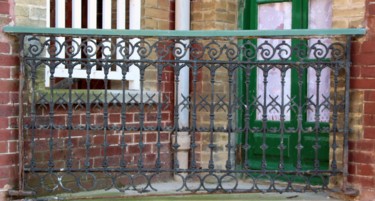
(167, 191)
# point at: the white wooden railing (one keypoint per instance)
(92, 13)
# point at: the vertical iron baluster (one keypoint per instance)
(229, 146)
(176, 129)
(212, 146)
(69, 160)
(123, 144)
(317, 146)
(159, 116)
(347, 109)
(106, 67)
(51, 124)
(264, 146)
(334, 118)
(142, 110)
(248, 105)
(193, 145)
(89, 65)
(124, 70)
(283, 69)
(299, 147)
(33, 114)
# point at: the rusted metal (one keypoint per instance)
(20, 119)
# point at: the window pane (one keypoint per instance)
(274, 16)
(320, 17)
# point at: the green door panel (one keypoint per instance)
(273, 143)
(272, 155)
(273, 152)
(308, 151)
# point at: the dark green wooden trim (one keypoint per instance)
(300, 21)
(297, 33)
(299, 14)
(271, 1)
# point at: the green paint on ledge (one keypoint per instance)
(191, 33)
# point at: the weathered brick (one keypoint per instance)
(3, 147)
(4, 7)
(12, 146)
(352, 168)
(368, 72)
(355, 72)
(163, 25)
(4, 47)
(7, 134)
(8, 110)
(8, 159)
(151, 138)
(369, 95)
(164, 4)
(371, 9)
(342, 23)
(369, 108)
(369, 132)
(340, 2)
(362, 157)
(368, 46)
(22, 10)
(9, 60)
(365, 145)
(364, 181)
(369, 120)
(151, 3)
(5, 72)
(365, 169)
(37, 13)
(155, 13)
(346, 12)
(362, 83)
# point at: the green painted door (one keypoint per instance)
(276, 148)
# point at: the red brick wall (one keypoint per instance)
(362, 148)
(60, 140)
(8, 99)
(9, 73)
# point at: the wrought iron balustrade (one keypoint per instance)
(268, 111)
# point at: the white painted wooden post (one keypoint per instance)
(106, 24)
(92, 24)
(60, 23)
(92, 13)
(77, 23)
(48, 24)
(120, 24)
(134, 23)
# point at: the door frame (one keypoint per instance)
(300, 14)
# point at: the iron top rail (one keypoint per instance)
(295, 33)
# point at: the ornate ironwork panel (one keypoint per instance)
(265, 114)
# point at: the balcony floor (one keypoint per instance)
(165, 192)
